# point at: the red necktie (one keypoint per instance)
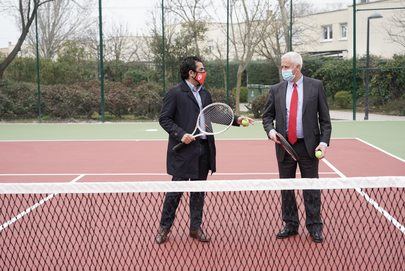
(292, 119)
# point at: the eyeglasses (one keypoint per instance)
(202, 69)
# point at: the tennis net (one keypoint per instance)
(112, 225)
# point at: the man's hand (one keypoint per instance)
(187, 138)
(273, 136)
(322, 147)
(239, 120)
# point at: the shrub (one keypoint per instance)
(243, 94)
(17, 100)
(119, 99)
(134, 76)
(343, 99)
(388, 83)
(395, 107)
(219, 95)
(21, 69)
(148, 99)
(336, 75)
(258, 105)
(70, 101)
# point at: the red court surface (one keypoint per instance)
(115, 231)
(62, 161)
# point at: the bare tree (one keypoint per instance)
(271, 45)
(60, 21)
(156, 44)
(192, 16)
(275, 40)
(122, 45)
(396, 28)
(246, 30)
(117, 41)
(26, 11)
(217, 53)
(89, 39)
(284, 21)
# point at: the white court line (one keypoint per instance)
(143, 174)
(139, 140)
(33, 207)
(80, 140)
(387, 215)
(381, 150)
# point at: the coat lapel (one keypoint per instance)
(186, 88)
(203, 95)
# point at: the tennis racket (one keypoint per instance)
(287, 147)
(213, 119)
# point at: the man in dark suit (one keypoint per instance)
(297, 108)
(178, 117)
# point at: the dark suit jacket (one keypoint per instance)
(178, 116)
(315, 117)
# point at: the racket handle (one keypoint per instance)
(178, 146)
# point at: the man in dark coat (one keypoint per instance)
(297, 108)
(181, 107)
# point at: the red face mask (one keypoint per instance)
(200, 77)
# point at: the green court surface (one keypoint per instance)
(387, 135)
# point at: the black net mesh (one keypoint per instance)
(117, 230)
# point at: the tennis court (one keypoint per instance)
(91, 229)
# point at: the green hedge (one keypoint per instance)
(336, 75)
(17, 100)
(80, 100)
(70, 89)
(264, 73)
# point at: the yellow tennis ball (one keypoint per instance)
(245, 123)
(318, 154)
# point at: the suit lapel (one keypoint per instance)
(306, 89)
(283, 89)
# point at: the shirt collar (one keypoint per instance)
(299, 82)
(192, 87)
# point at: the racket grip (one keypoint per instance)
(178, 146)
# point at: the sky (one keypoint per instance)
(134, 14)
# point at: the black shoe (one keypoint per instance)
(316, 236)
(161, 236)
(287, 231)
(199, 235)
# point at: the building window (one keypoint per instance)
(210, 46)
(343, 31)
(327, 32)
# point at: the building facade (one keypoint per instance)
(331, 33)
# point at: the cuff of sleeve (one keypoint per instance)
(272, 131)
(178, 135)
(323, 144)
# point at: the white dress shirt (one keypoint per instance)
(196, 92)
(300, 87)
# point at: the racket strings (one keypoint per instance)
(217, 114)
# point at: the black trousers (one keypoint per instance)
(312, 198)
(172, 199)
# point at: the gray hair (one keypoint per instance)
(293, 57)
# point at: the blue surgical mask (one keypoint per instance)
(287, 75)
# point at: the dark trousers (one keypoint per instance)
(172, 199)
(312, 198)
